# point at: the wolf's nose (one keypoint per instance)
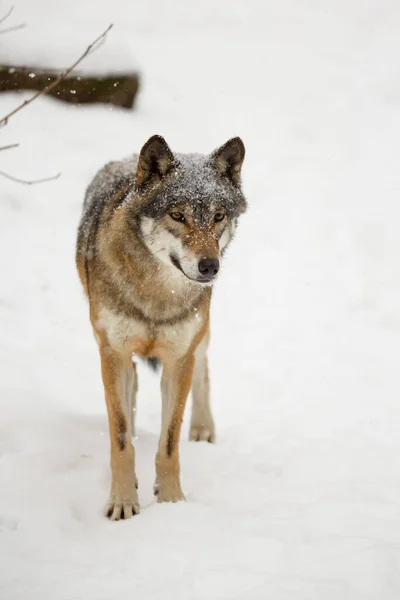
(209, 267)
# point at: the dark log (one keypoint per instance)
(119, 89)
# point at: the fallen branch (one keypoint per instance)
(63, 75)
(27, 182)
(118, 89)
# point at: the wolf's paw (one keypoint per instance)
(169, 492)
(202, 433)
(122, 507)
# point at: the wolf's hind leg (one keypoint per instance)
(117, 373)
(201, 425)
(130, 395)
(175, 386)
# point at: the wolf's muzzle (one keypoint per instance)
(206, 276)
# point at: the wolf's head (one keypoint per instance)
(190, 205)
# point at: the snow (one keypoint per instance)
(52, 39)
(300, 497)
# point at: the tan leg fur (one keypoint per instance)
(117, 373)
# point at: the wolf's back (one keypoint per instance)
(109, 179)
(100, 191)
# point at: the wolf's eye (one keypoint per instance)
(177, 216)
(219, 216)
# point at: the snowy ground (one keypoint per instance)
(300, 498)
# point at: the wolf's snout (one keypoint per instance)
(209, 267)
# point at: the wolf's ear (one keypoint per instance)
(228, 159)
(155, 160)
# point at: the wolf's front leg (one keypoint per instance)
(131, 393)
(117, 371)
(175, 385)
(201, 423)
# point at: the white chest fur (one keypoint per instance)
(129, 335)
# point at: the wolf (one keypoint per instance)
(153, 230)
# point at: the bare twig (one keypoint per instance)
(13, 28)
(27, 182)
(8, 147)
(7, 15)
(63, 75)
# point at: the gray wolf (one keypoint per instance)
(152, 234)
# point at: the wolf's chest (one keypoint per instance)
(126, 334)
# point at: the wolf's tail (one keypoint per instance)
(153, 363)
